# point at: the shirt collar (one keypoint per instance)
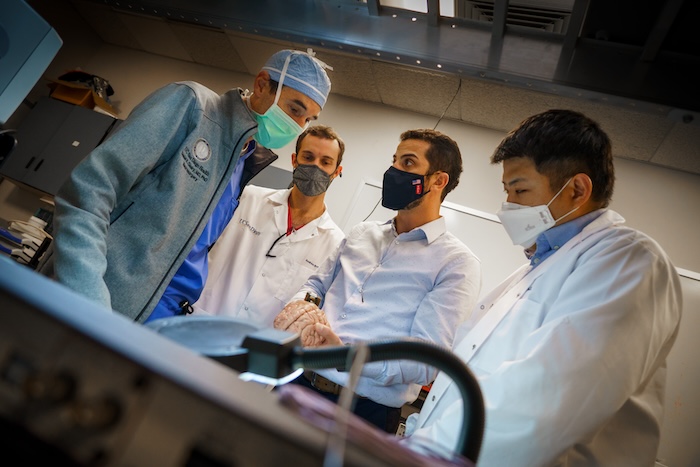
(554, 238)
(430, 231)
(324, 221)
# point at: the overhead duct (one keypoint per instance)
(538, 45)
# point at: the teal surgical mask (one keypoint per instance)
(276, 129)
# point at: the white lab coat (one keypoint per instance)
(573, 373)
(243, 282)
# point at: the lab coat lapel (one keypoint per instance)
(281, 209)
(497, 303)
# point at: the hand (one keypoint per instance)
(328, 337)
(299, 317)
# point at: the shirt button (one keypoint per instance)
(246, 308)
(537, 260)
(343, 316)
(263, 274)
(555, 248)
(433, 399)
(482, 307)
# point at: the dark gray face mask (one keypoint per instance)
(310, 179)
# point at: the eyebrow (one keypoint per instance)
(300, 104)
(407, 154)
(513, 182)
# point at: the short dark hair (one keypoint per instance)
(562, 143)
(443, 155)
(326, 132)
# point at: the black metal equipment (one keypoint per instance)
(276, 358)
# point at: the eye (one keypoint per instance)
(296, 111)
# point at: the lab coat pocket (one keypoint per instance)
(512, 338)
(296, 277)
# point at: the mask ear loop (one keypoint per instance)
(279, 83)
(555, 197)
(559, 192)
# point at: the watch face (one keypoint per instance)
(202, 151)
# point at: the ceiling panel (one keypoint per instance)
(208, 46)
(649, 107)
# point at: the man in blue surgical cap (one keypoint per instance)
(137, 217)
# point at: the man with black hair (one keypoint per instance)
(570, 350)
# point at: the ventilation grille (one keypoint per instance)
(544, 19)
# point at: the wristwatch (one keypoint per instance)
(312, 298)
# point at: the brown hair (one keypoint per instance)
(323, 131)
(443, 154)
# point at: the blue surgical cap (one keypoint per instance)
(304, 73)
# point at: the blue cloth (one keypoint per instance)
(304, 73)
(551, 240)
(188, 282)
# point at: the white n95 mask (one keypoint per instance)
(524, 224)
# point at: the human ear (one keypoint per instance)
(262, 81)
(260, 99)
(582, 188)
(441, 180)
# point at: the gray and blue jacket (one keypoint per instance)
(134, 208)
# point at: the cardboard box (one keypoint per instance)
(79, 94)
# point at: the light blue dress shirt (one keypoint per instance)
(552, 239)
(420, 284)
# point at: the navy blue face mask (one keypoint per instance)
(401, 188)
